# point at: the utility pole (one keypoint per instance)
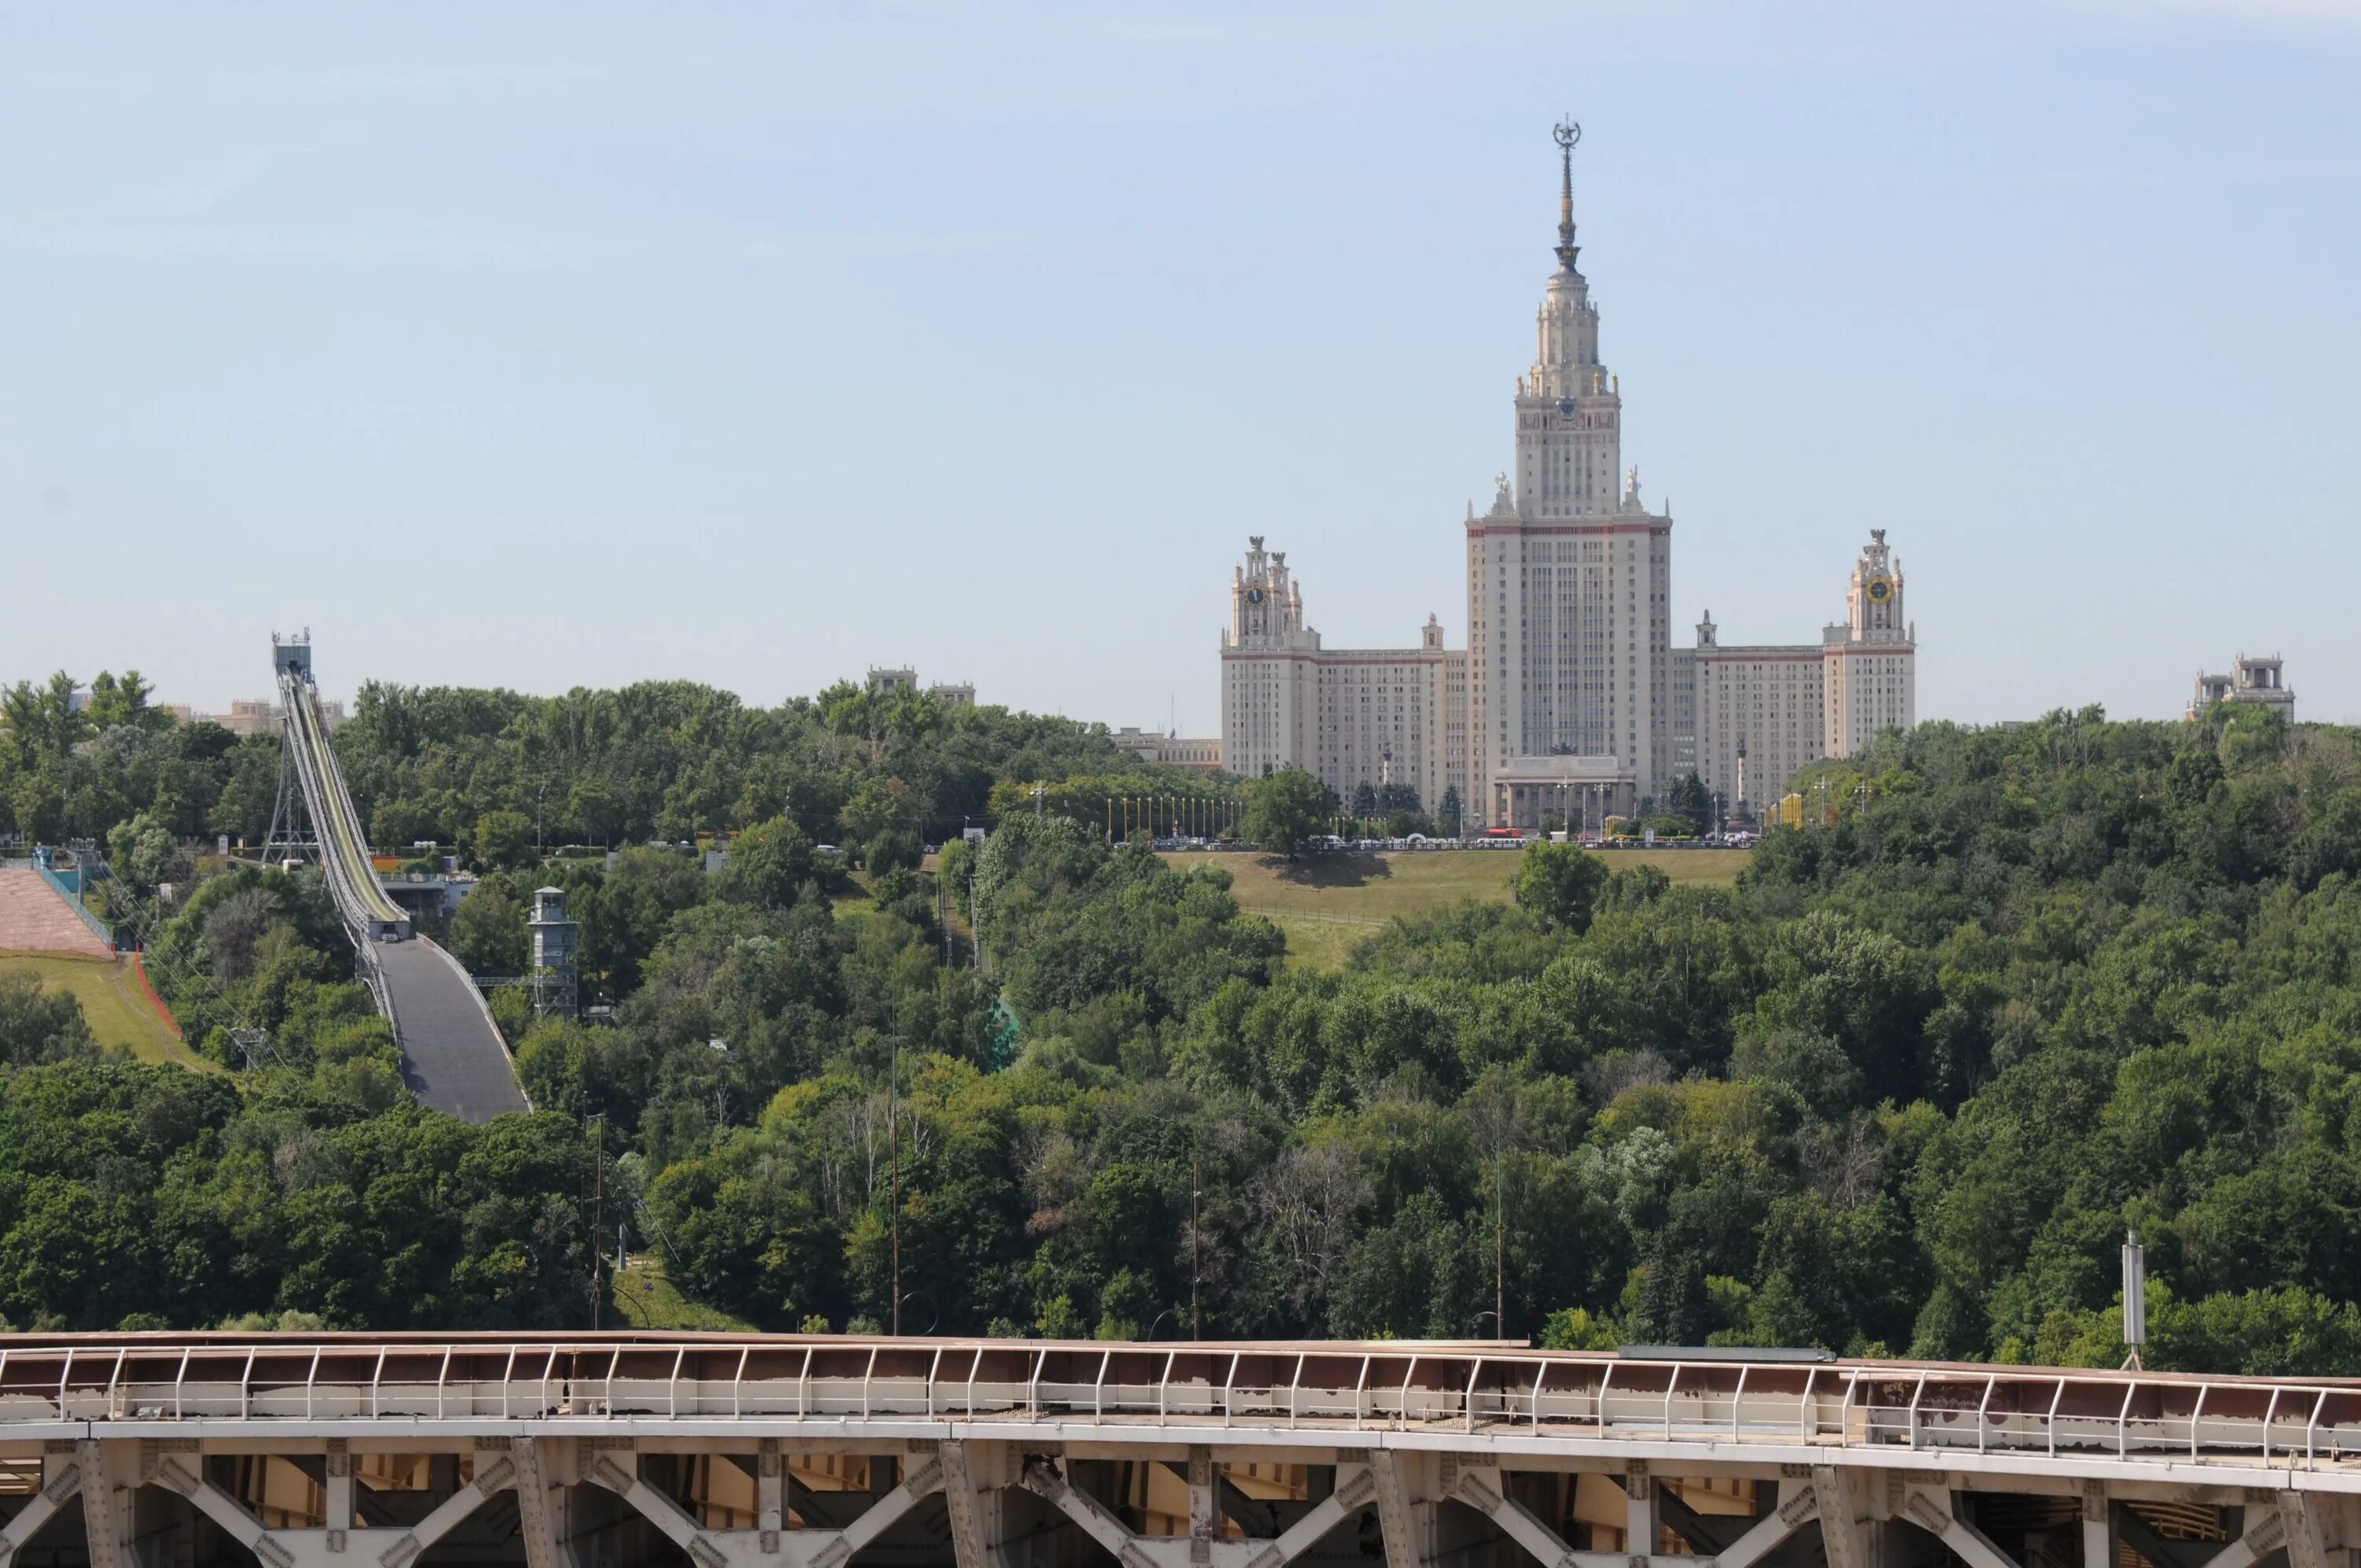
(598, 1215)
(1196, 1191)
(1500, 1244)
(893, 1161)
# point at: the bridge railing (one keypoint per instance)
(1193, 1386)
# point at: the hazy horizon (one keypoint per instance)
(573, 346)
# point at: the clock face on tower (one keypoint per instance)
(1880, 589)
(1254, 595)
(1565, 407)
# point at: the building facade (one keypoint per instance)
(950, 694)
(1373, 716)
(1179, 750)
(254, 716)
(1570, 692)
(2259, 681)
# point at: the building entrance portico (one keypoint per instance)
(1583, 791)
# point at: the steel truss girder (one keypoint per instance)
(617, 1471)
(1356, 1489)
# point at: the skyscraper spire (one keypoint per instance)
(1567, 134)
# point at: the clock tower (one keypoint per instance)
(1870, 664)
(1269, 668)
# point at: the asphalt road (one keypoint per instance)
(452, 1057)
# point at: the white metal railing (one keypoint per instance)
(1255, 1389)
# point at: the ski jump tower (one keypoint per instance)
(312, 784)
(452, 1053)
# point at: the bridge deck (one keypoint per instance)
(452, 1056)
(1279, 1393)
(570, 1451)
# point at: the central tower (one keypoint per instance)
(1569, 580)
(1570, 443)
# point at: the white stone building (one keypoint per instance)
(1179, 750)
(1373, 716)
(2258, 680)
(1571, 697)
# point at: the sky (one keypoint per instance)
(555, 345)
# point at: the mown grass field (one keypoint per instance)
(1327, 904)
(113, 1004)
(646, 1300)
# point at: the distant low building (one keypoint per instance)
(252, 715)
(1177, 750)
(2257, 681)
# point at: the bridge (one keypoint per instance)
(452, 1054)
(573, 1450)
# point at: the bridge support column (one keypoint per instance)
(770, 1495)
(339, 1493)
(2307, 1545)
(1400, 1520)
(1639, 1532)
(974, 1514)
(62, 1478)
(1832, 1499)
(1204, 1509)
(537, 1519)
(2098, 1540)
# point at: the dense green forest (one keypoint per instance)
(1899, 1092)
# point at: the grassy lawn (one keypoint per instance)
(113, 1004)
(1326, 904)
(646, 1300)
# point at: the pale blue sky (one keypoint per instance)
(574, 345)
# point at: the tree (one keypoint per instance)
(893, 848)
(1558, 884)
(1364, 800)
(489, 935)
(503, 839)
(769, 862)
(1688, 798)
(1448, 814)
(124, 700)
(1287, 810)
